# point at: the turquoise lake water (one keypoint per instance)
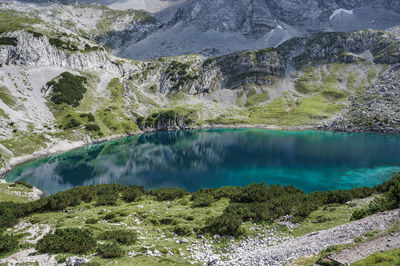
(309, 160)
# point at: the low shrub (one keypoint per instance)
(183, 230)
(132, 193)
(68, 88)
(61, 258)
(35, 34)
(125, 237)
(168, 221)
(226, 224)
(390, 200)
(8, 243)
(202, 200)
(359, 214)
(60, 44)
(91, 221)
(163, 194)
(225, 192)
(68, 240)
(89, 116)
(23, 183)
(72, 123)
(92, 127)
(13, 41)
(109, 199)
(110, 216)
(110, 250)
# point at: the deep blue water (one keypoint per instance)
(309, 160)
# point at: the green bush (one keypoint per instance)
(109, 199)
(92, 127)
(110, 250)
(359, 214)
(226, 224)
(61, 258)
(35, 34)
(392, 197)
(125, 237)
(110, 216)
(168, 221)
(91, 221)
(8, 41)
(69, 240)
(163, 194)
(23, 183)
(132, 193)
(72, 123)
(89, 116)
(183, 230)
(89, 48)
(60, 44)
(390, 200)
(9, 214)
(8, 243)
(72, 197)
(202, 200)
(229, 192)
(68, 88)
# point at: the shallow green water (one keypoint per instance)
(309, 160)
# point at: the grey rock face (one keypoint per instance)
(32, 51)
(76, 261)
(257, 17)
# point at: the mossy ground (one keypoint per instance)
(15, 193)
(6, 97)
(11, 20)
(324, 218)
(320, 92)
(386, 258)
(23, 143)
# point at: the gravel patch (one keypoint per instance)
(272, 249)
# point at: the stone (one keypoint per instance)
(76, 261)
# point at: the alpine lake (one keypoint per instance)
(194, 159)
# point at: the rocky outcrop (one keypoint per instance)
(376, 109)
(168, 120)
(263, 66)
(251, 68)
(33, 51)
(332, 47)
(257, 17)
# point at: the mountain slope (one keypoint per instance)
(209, 27)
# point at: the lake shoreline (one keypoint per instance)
(65, 146)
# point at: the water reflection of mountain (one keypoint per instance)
(194, 159)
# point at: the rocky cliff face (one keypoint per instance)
(32, 51)
(257, 17)
(212, 27)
